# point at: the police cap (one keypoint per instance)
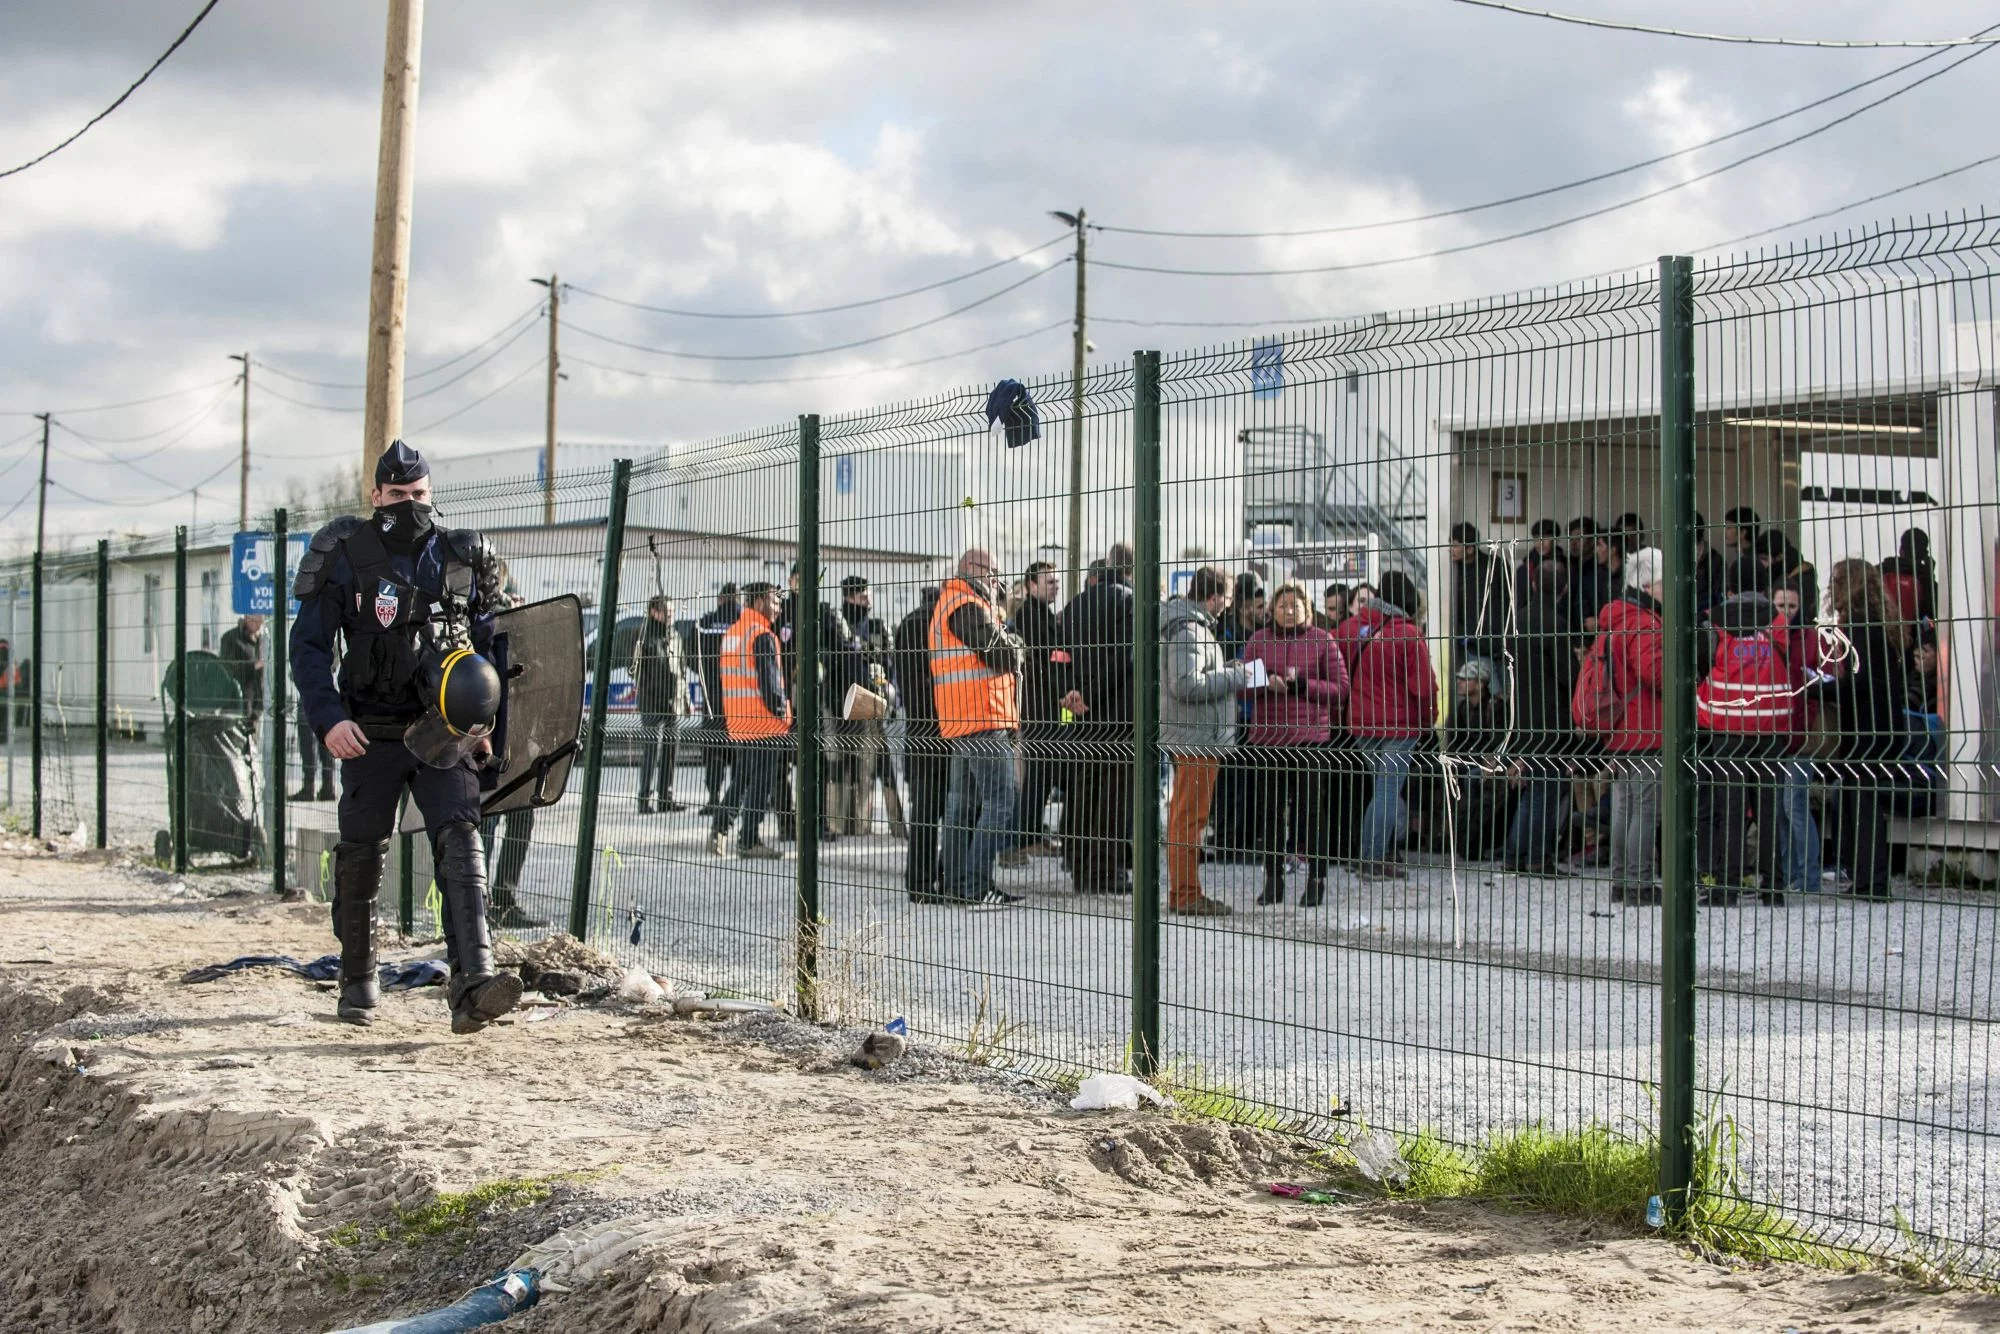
(400, 465)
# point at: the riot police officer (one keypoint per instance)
(404, 596)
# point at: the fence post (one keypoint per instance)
(178, 817)
(35, 695)
(406, 885)
(600, 701)
(1145, 713)
(103, 690)
(276, 650)
(807, 801)
(1677, 864)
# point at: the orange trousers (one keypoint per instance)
(1187, 816)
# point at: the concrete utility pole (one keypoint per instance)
(1076, 561)
(42, 501)
(389, 282)
(243, 471)
(555, 373)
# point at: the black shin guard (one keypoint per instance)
(357, 880)
(478, 994)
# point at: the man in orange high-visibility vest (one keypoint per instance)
(759, 719)
(975, 680)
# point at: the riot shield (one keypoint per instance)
(538, 651)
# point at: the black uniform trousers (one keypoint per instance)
(927, 761)
(371, 791)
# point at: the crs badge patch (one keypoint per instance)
(387, 603)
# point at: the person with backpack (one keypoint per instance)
(1744, 722)
(1617, 702)
(1392, 706)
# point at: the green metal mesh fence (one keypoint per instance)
(1569, 711)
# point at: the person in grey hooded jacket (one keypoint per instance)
(1198, 688)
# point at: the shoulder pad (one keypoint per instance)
(468, 544)
(313, 566)
(335, 532)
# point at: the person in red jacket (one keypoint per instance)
(1744, 719)
(1635, 650)
(1392, 702)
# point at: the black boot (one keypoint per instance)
(357, 879)
(1315, 886)
(1274, 884)
(478, 993)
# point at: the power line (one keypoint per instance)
(410, 398)
(1542, 193)
(538, 308)
(118, 462)
(1559, 223)
(1862, 44)
(129, 403)
(207, 408)
(1306, 321)
(185, 33)
(501, 388)
(571, 359)
(819, 351)
(156, 500)
(817, 310)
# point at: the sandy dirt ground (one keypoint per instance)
(225, 1157)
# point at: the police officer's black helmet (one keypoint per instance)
(468, 692)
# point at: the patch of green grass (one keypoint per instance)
(346, 1235)
(1198, 1094)
(1437, 1169)
(1593, 1173)
(454, 1212)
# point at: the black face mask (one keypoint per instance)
(406, 522)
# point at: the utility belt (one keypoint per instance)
(379, 728)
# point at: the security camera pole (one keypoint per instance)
(1075, 561)
(389, 285)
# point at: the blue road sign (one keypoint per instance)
(252, 567)
(843, 474)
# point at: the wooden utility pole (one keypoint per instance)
(243, 468)
(555, 372)
(1076, 561)
(42, 501)
(389, 283)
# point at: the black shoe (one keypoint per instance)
(303, 794)
(1719, 898)
(325, 792)
(936, 898)
(1618, 893)
(645, 806)
(1771, 898)
(1315, 894)
(1274, 889)
(478, 992)
(512, 917)
(1643, 896)
(668, 806)
(994, 900)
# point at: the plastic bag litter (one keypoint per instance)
(1119, 1092)
(1379, 1159)
(638, 987)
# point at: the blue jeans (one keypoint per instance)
(1531, 838)
(1386, 819)
(1798, 833)
(982, 770)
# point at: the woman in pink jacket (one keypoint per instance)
(1291, 721)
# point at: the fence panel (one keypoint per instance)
(702, 526)
(1848, 1039)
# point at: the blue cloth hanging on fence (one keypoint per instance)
(1013, 406)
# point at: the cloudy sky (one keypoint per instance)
(749, 157)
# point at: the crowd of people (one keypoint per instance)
(1302, 736)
